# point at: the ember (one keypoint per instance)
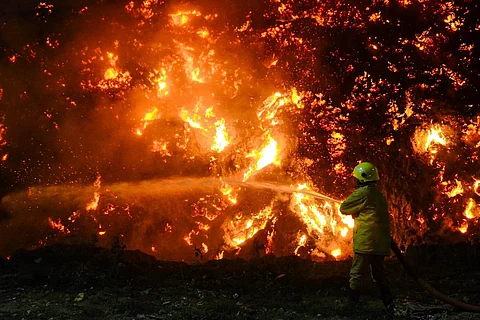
(140, 127)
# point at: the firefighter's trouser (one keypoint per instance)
(362, 263)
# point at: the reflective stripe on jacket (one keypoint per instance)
(371, 233)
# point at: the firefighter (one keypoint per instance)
(371, 234)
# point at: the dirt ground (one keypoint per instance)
(87, 282)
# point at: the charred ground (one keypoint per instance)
(68, 281)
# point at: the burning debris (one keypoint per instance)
(164, 104)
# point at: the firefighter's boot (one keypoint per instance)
(387, 299)
(353, 296)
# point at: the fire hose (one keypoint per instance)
(427, 287)
(422, 283)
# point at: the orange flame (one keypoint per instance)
(193, 122)
(219, 255)
(457, 190)
(273, 104)
(190, 69)
(148, 119)
(58, 225)
(181, 18)
(188, 237)
(113, 78)
(324, 222)
(471, 211)
(464, 227)
(93, 205)
(2, 128)
(336, 253)
(203, 119)
(229, 192)
(240, 229)
(429, 141)
(221, 137)
(301, 242)
(267, 156)
(435, 136)
(161, 147)
(98, 182)
(476, 185)
(161, 81)
(110, 74)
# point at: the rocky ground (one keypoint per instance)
(87, 282)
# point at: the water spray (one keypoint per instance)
(280, 188)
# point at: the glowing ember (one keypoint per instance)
(58, 225)
(2, 132)
(98, 182)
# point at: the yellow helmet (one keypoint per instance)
(365, 172)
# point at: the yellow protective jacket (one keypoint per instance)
(371, 233)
